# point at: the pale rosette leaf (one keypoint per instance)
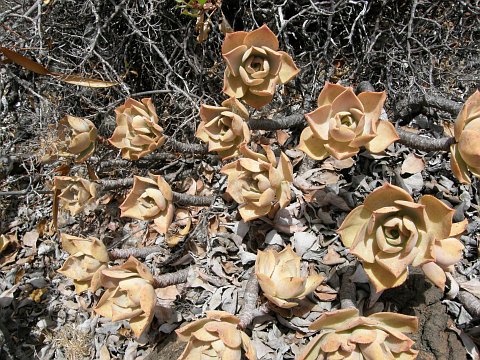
(255, 66)
(75, 193)
(76, 137)
(465, 154)
(150, 199)
(390, 231)
(215, 337)
(344, 122)
(259, 182)
(87, 258)
(279, 276)
(224, 127)
(137, 133)
(346, 335)
(129, 295)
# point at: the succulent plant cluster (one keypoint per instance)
(347, 335)
(388, 233)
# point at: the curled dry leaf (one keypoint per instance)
(75, 193)
(346, 335)
(88, 257)
(150, 199)
(279, 276)
(390, 231)
(42, 70)
(344, 122)
(180, 227)
(258, 182)
(465, 154)
(129, 295)
(412, 164)
(215, 337)
(255, 66)
(137, 133)
(332, 258)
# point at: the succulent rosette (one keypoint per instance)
(279, 275)
(255, 66)
(87, 258)
(75, 193)
(137, 133)
(390, 231)
(344, 122)
(150, 199)
(76, 137)
(224, 127)
(346, 335)
(129, 295)
(258, 182)
(215, 337)
(465, 154)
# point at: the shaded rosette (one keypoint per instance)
(258, 182)
(224, 127)
(137, 133)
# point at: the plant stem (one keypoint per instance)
(470, 302)
(347, 295)
(186, 199)
(175, 278)
(278, 123)
(413, 105)
(424, 143)
(135, 252)
(250, 297)
(179, 198)
(186, 148)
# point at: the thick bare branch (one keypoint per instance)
(139, 253)
(278, 123)
(424, 143)
(175, 278)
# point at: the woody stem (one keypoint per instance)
(424, 143)
(178, 146)
(135, 252)
(250, 297)
(278, 123)
(178, 198)
(175, 278)
(347, 295)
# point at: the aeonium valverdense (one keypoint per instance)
(151, 198)
(129, 295)
(465, 154)
(224, 127)
(344, 122)
(347, 335)
(390, 231)
(215, 337)
(279, 276)
(137, 133)
(88, 257)
(255, 66)
(259, 183)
